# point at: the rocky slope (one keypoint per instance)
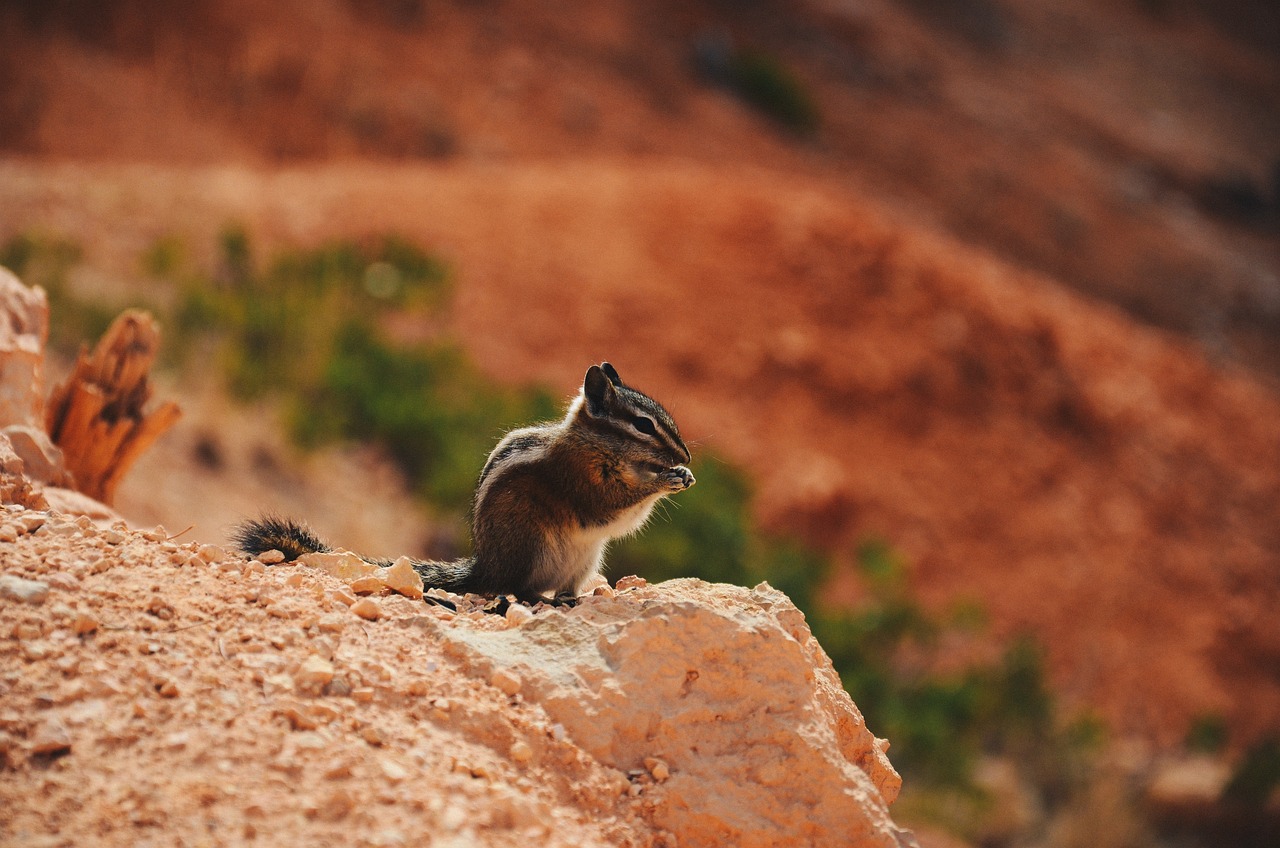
(152, 690)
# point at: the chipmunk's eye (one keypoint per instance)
(644, 425)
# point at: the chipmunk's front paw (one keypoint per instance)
(678, 478)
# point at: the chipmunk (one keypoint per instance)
(550, 498)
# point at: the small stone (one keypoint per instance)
(62, 581)
(332, 622)
(367, 608)
(521, 752)
(271, 557)
(211, 553)
(50, 737)
(338, 687)
(158, 607)
(37, 649)
(32, 521)
(367, 585)
(659, 769)
(83, 623)
(297, 718)
(371, 734)
(340, 564)
(167, 689)
(631, 582)
(20, 589)
(363, 694)
(518, 614)
(605, 591)
(393, 771)
(342, 596)
(8, 533)
(294, 580)
(156, 534)
(402, 578)
(27, 630)
(112, 537)
(253, 566)
(508, 681)
(314, 674)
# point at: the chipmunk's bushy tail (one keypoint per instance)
(280, 534)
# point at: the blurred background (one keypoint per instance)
(971, 308)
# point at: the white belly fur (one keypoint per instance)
(573, 558)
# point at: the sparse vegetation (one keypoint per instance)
(47, 261)
(760, 79)
(763, 81)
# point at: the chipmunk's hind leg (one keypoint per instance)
(270, 532)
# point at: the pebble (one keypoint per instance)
(314, 673)
(50, 738)
(631, 582)
(342, 596)
(508, 681)
(338, 687)
(659, 769)
(363, 694)
(112, 537)
(31, 522)
(156, 534)
(20, 589)
(63, 581)
(393, 771)
(8, 533)
(84, 623)
(167, 689)
(211, 553)
(253, 566)
(332, 622)
(271, 557)
(521, 752)
(366, 585)
(367, 608)
(402, 578)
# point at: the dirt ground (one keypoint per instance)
(183, 697)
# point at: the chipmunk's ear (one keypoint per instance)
(598, 391)
(612, 374)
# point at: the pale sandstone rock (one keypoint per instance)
(15, 488)
(24, 326)
(341, 564)
(402, 578)
(17, 588)
(722, 685)
(41, 459)
(367, 585)
(367, 608)
(71, 502)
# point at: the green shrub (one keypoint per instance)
(1208, 734)
(1258, 774)
(763, 81)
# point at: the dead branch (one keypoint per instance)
(97, 415)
